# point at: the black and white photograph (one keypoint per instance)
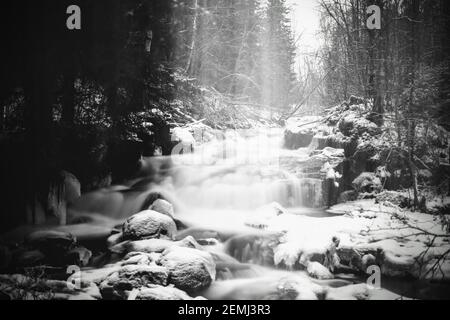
(231, 150)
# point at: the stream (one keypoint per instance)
(222, 190)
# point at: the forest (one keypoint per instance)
(77, 100)
(90, 117)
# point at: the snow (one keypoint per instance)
(366, 226)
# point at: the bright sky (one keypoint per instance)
(305, 22)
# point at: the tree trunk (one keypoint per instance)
(411, 165)
(194, 36)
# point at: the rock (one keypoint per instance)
(141, 258)
(79, 256)
(353, 100)
(111, 289)
(148, 246)
(367, 182)
(100, 274)
(397, 198)
(354, 124)
(114, 239)
(155, 292)
(141, 275)
(55, 245)
(163, 206)
(93, 291)
(129, 277)
(318, 271)
(149, 224)
(188, 242)
(350, 256)
(49, 241)
(208, 242)
(197, 234)
(295, 140)
(331, 259)
(255, 248)
(157, 245)
(349, 195)
(190, 269)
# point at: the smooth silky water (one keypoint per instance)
(223, 183)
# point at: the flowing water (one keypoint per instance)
(225, 182)
(217, 189)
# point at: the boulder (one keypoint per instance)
(190, 269)
(159, 245)
(318, 271)
(163, 206)
(54, 245)
(350, 257)
(141, 275)
(129, 277)
(354, 124)
(140, 258)
(149, 224)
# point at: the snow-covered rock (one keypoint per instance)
(149, 224)
(79, 256)
(129, 277)
(157, 245)
(367, 182)
(318, 271)
(353, 123)
(140, 258)
(190, 269)
(163, 206)
(369, 234)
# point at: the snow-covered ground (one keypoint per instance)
(404, 243)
